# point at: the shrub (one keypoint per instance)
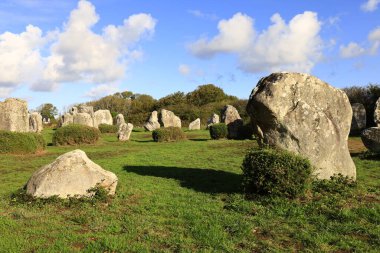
(168, 134)
(75, 134)
(218, 131)
(245, 132)
(21, 143)
(105, 128)
(276, 173)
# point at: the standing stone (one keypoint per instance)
(195, 125)
(82, 118)
(169, 119)
(152, 123)
(120, 119)
(67, 119)
(74, 110)
(14, 115)
(125, 131)
(102, 117)
(359, 119)
(214, 119)
(231, 117)
(302, 114)
(371, 139)
(71, 174)
(86, 109)
(376, 114)
(35, 122)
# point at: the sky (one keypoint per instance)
(67, 52)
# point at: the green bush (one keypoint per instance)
(168, 134)
(218, 131)
(105, 128)
(276, 173)
(21, 143)
(75, 134)
(245, 132)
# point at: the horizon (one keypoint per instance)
(78, 51)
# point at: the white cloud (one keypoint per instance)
(75, 53)
(351, 50)
(370, 5)
(374, 38)
(184, 69)
(200, 14)
(295, 46)
(101, 91)
(5, 92)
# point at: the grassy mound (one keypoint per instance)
(109, 129)
(21, 143)
(75, 134)
(168, 134)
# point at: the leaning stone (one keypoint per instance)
(14, 115)
(231, 117)
(35, 122)
(358, 122)
(371, 139)
(152, 123)
(71, 174)
(302, 114)
(102, 117)
(169, 119)
(195, 125)
(125, 131)
(376, 114)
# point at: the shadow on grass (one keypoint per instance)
(200, 180)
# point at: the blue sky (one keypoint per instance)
(66, 52)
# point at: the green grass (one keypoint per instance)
(184, 197)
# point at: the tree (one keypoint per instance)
(48, 111)
(206, 94)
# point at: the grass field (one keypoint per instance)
(185, 197)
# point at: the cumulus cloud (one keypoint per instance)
(370, 5)
(73, 54)
(101, 91)
(184, 69)
(268, 50)
(351, 50)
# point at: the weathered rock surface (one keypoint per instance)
(35, 122)
(71, 174)
(67, 119)
(231, 117)
(371, 139)
(102, 117)
(169, 119)
(125, 131)
(14, 115)
(214, 119)
(152, 122)
(86, 109)
(195, 125)
(302, 114)
(376, 114)
(120, 119)
(359, 118)
(82, 118)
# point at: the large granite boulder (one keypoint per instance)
(124, 131)
(14, 115)
(35, 122)
(66, 119)
(71, 174)
(214, 119)
(102, 117)
(302, 114)
(120, 119)
(376, 114)
(152, 123)
(195, 125)
(371, 139)
(231, 117)
(359, 118)
(169, 119)
(82, 118)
